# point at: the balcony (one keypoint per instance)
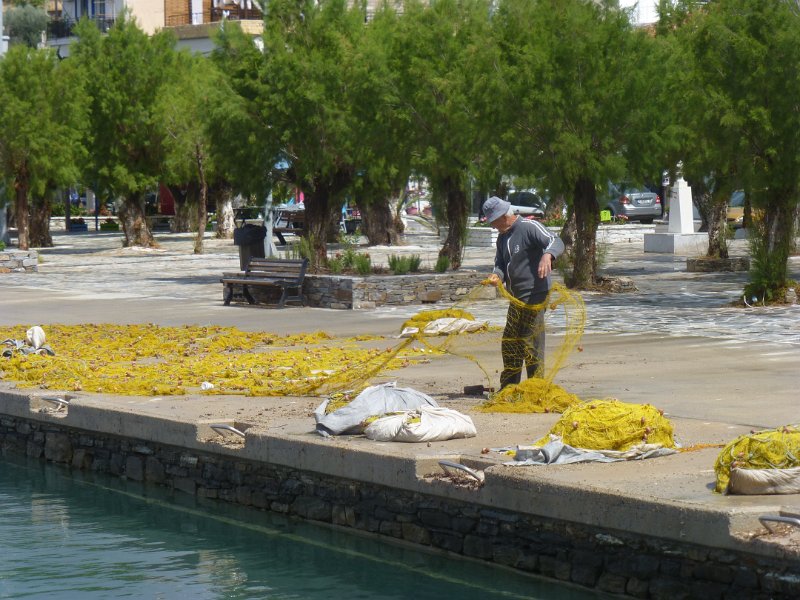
(61, 26)
(231, 12)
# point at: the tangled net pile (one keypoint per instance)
(537, 394)
(153, 360)
(771, 449)
(533, 395)
(612, 425)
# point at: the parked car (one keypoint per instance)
(736, 209)
(634, 203)
(527, 203)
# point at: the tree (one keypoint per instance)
(745, 53)
(181, 110)
(245, 147)
(445, 56)
(577, 106)
(711, 156)
(308, 52)
(26, 23)
(125, 71)
(42, 119)
(383, 132)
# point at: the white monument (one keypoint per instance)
(680, 237)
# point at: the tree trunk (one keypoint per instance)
(223, 196)
(777, 236)
(555, 207)
(456, 210)
(396, 206)
(317, 214)
(21, 212)
(718, 227)
(40, 223)
(202, 204)
(377, 222)
(322, 213)
(181, 223)
(584, 256)
(569, 230)
(134, 223)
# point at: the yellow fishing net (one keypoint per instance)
(153, 360)
(426, 316)
(612, 425)
(770, 449)
(534, 395)
(563, 308)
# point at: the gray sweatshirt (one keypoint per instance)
(519, 251)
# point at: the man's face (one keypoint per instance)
(504, 223)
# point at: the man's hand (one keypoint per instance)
(545, 265)
(493, 279)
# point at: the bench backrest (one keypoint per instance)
(277, 267)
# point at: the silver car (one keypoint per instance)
(634, 203)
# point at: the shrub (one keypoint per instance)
(442, 264)
(415, 261)
(349, 258)
(363, 264)
(2, 245)
(109, 225)
(399, 265)
(335, 264)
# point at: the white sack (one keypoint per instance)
(372, 402)
(35, 336)
(435, 424)
(764, 481)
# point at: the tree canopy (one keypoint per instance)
(42, 120)
(125, 71)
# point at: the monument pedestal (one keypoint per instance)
(680, 237)
(690, 244)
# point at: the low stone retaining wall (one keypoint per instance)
(352, 292)
(18, 261)
(633, 565)
(330, 291)
(705, 264)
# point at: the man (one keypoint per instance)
(523, 262)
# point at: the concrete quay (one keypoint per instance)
(717, 372)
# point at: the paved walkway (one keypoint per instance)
(718, 371)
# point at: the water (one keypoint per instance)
(69, 536)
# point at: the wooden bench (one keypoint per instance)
(289, 221)
(285, 275)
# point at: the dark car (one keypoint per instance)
(632, 202)
(527, 203)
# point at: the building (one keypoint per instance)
(193, 21)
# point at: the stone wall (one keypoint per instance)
(628, 564)
(349, 292)
(18, 261)
(328, 291)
